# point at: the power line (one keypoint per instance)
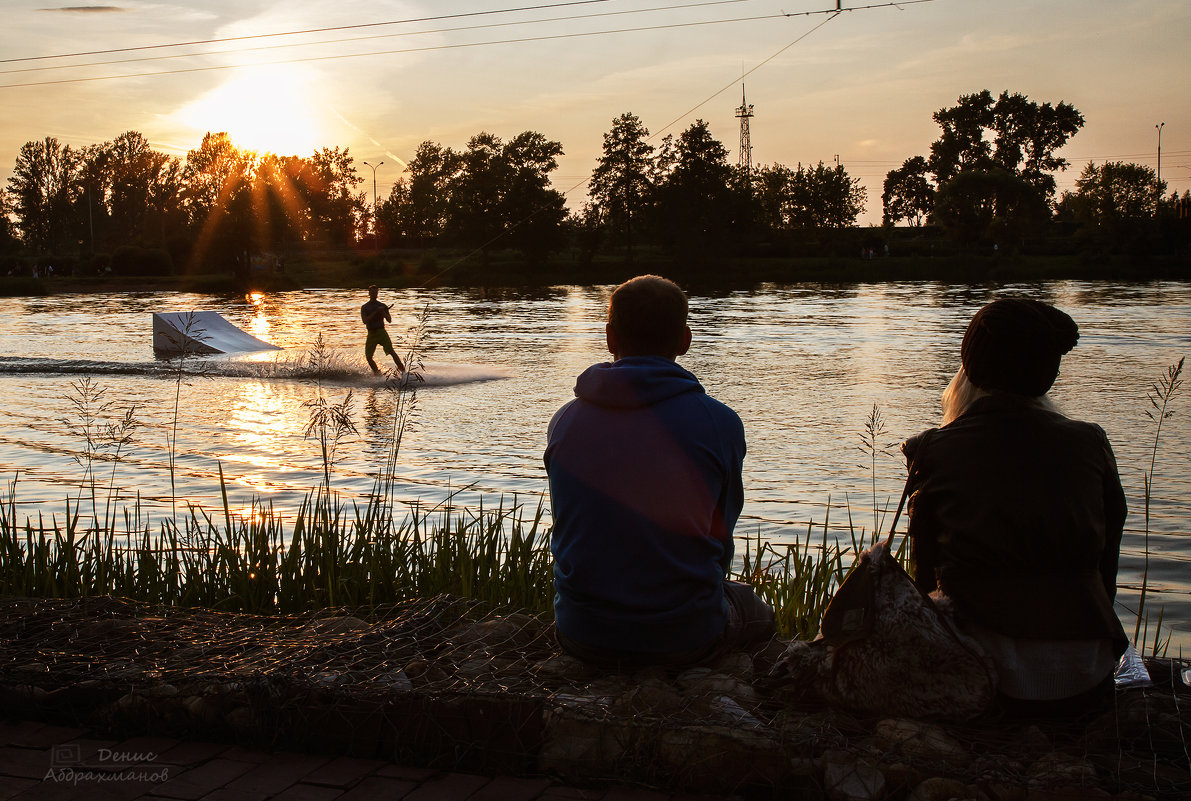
(427, 48)
(306, 31)
(316, 43)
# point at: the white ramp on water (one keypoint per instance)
(201, 332)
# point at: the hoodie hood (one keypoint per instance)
(634, 382)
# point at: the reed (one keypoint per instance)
(1160, 396)
(257, 562)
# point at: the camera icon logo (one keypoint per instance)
(66, 755)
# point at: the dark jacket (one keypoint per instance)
(645, 488)
(1017, 512)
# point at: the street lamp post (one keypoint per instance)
(1160, 126)
(375, 236)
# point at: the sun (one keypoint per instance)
(266, 109)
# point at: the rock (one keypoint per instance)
(1032, 740)
(423, 672)
(725, 710)
(941, 789)
(900, 777)
(240, 719)
(579, 739)
(201, 709)
(1057, 769)
(473, 669)
(850, 778)
(565, 668)
(1005, 791)
(738, 665)
(921, 741)
(1068, 794)
(815, 730)
(702, 681)
(650, 698)
(345, 624)
(397, 681)
(720, 759)
(162, 691)
(511, 631)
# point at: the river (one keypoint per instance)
(802, 364)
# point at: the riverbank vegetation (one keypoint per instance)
(981, 205)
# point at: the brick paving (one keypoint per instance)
(40, 762)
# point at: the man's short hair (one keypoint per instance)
(372, 290)
(648, 316)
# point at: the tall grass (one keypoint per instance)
(259, 563)
(1160, 396)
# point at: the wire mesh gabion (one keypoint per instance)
(450, 683)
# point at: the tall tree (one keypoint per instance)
(44, 189)
(692, 211)
(533, 210)
(217, 201)
(1027, 136)
(336, 208)
(1012, 134)
(143, 188)
(432, 172)
(908, 194)
(809, 197)
(1115, 192)
(993, 204)
(962, 145)
(477, 192)
(620, 183)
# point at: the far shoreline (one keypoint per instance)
(430, 269)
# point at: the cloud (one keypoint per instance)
(85, 9)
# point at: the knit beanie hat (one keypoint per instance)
(1015, 345)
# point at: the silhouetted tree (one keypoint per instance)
(217, 199)
(533, 210)
(421, 215)
(620, 183)
(1116, 192)
(1011, 135)
(693, 200)
(810, 197)
(908, 194)
(477, 189)
(992, 204)
(336, 209)
(44, 191)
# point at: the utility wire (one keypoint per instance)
(290, 45)
(833, 14)
(521, 40)
(306, 31)
(427, 48)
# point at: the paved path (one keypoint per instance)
(39, 762)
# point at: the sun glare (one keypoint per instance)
(266, 110)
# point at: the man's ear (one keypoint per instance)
(686, 342)
(610, 338)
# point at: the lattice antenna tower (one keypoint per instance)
(744, 114)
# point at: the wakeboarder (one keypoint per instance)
(375, 314)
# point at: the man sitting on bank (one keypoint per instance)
(645, 488)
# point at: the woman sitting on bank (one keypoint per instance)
(1016, 514)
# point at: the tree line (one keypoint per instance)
(989, 178)
(221, 205)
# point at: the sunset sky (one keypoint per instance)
(860, 85)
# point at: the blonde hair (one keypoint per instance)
(961, 392)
